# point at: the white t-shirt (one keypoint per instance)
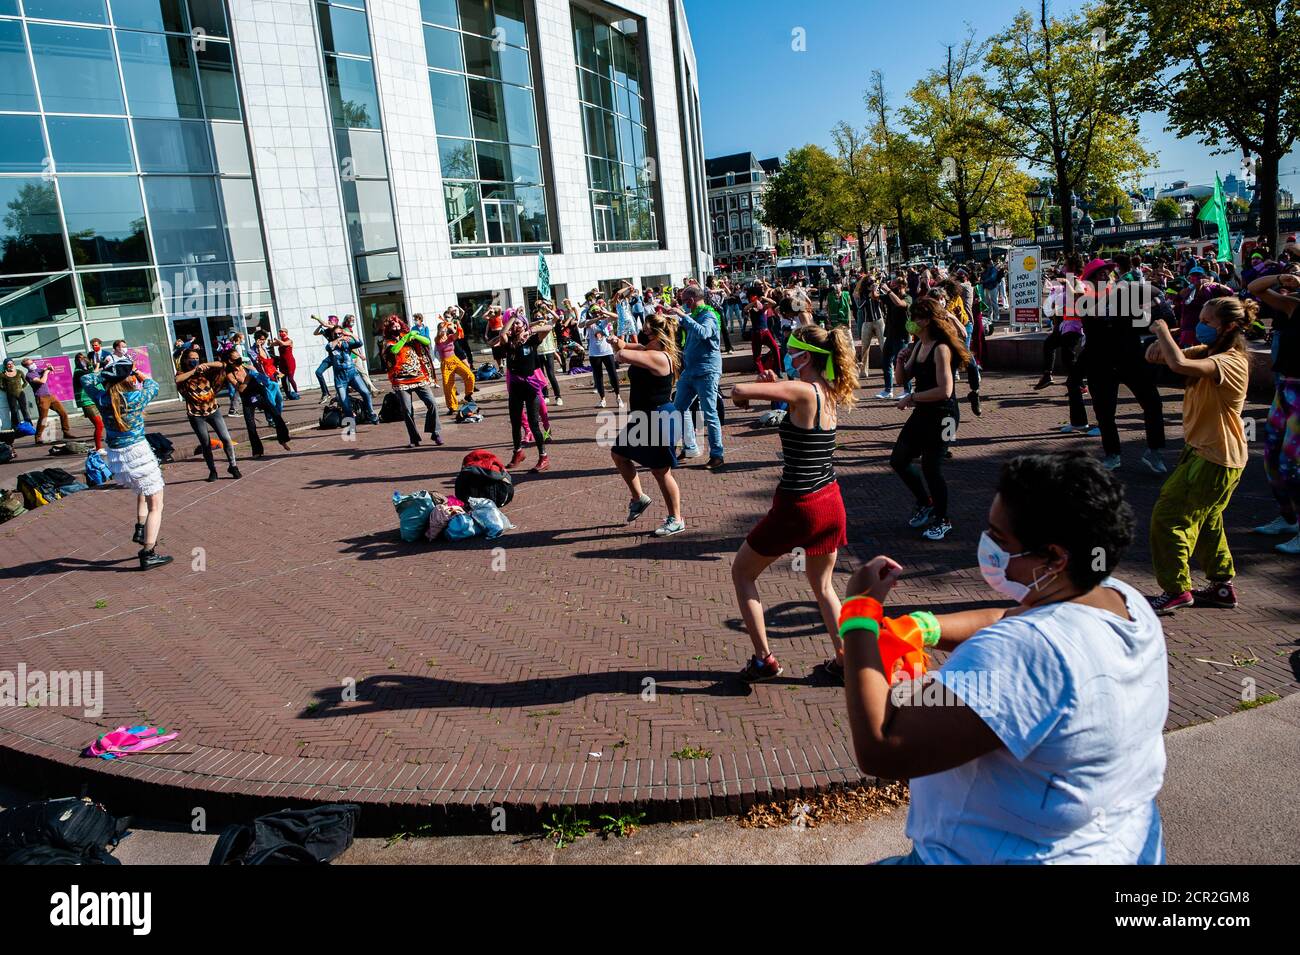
(1078, 697)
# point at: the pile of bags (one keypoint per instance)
(483, 487)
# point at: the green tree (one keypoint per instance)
(806, 197)
(898, 187)
(1225, 73)
(1055, 83)
(853, 149)
(1112, 201)
(1166, 210)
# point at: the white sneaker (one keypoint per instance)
(1112, 462)
(691, 453)
(670, 526)
(885, 394)
(1276, 527)
(601, 404)
(1289, 547)
(620, 404)
(559, 402)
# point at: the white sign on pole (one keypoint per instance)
(1025, 278)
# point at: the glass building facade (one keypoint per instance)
(485, 106)
(621, 159)
(127, 200)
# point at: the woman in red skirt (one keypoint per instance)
(807, 511)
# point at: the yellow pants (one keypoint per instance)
(453, 367)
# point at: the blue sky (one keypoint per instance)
(758, 94)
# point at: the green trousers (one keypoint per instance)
(1188, 522)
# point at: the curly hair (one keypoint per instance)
(1070, 500)
(838, 343)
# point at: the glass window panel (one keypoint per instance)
(625, 151)
(31, 235)
(450, 104)
(369, 215)
(533, 223)
(509, 63)
(603, 66)
(76, 69)
(594, 125)
(231, 149)
(17, 91)
(476, 16)
(584, 38)
(343, 31)
(487, 107)
(493, 162)
(439, 11)
(9, 8)
(149, 334)
(80, 11)
(361, 153)
(598, 171)
(105, 220)
(510, 21)
(22, 147)
(83, 144)
(186, 220)
(634, 108)
(442, 49)
(159, 75)
(456, 158)
(167, 145)
(618, 57)
(253, 275)
(464, 213)
(527, 165)
(217, 79)
(191, 291)
(378, 268)
(119, 293)
(242, 221)
(354, 100)
(37, 301)
(521, 120)
(153, 15)
(208, 16)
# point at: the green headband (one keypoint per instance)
(802, 345)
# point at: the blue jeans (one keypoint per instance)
(888, 355)
(705, 387)
(320, 376)
(351, 377)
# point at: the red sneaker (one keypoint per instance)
(756, 671)
(1221, 595)
(542, 464)
(516, 460)
(1166, 604)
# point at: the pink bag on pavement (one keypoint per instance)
(125, 740)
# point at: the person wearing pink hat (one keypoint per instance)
(1112, 356)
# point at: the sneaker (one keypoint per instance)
(833, 669)
(1166, 604)
(1044, 382)
(1154, 462)
(437, 439)
(691, 453)
(546, 436)
(974, 397)
(714, 464)
(670, 526)
(1112, 462)
(517, 460)
(921, 516)
(150, 559)
(1277, 527)
(621, 406)
(212, 476)
(885, 394)
(601, 403)
(1093, 432)
(638, 507)
(233, 471)
(1221, 595)
(542, 464)
(559, 402)
(938, 530)
(756, 670)
(1291, 547)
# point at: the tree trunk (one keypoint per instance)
(902, 234)
(1065, 202)
(1266, 184)
(963, 221)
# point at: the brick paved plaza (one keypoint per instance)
(523, 687)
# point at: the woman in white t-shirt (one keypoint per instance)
(1039, 739)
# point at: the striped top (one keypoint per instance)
(807, 453)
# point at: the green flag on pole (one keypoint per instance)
(543, 277)
(1216, 211)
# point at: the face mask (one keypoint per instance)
(190, 363)
(1206, 334)
(913, 328)
(993, 562)
(643, 338)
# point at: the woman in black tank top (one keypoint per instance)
(650, 432)
(935, 415)
(807, 514)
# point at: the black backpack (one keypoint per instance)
(391, 410)
(289, 837)
(59, 477)
(331, 415)
(66, 831)
(162, 447)
(6, 453)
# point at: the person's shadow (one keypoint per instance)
(63, 565)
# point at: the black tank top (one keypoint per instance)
(927, 373)
(807, 453)
(649, 391)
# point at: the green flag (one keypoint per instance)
(543, 277)
(1216, 211)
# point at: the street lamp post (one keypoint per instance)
(1037, 201)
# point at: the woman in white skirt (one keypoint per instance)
(122, 393)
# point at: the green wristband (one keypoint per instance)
(929, 624)
(860, 623)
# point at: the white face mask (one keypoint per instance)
(994, 561)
